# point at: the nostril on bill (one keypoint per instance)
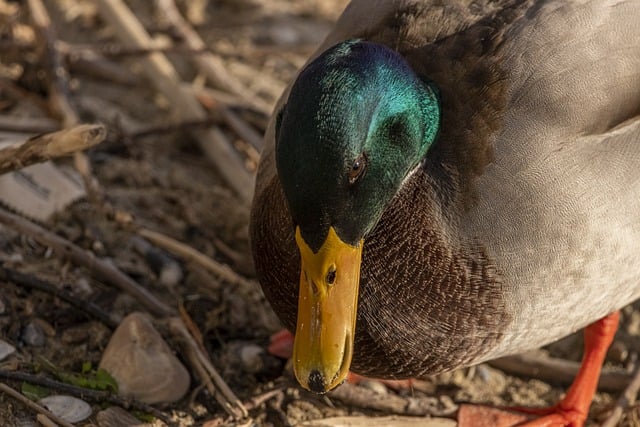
(316, 382)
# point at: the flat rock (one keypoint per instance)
(142, 363)
(69, 408)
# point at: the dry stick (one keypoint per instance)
(59, 90)
(208, 64)
(99, 396)
(46, 422)
(113, 50)
(32, 125)
(166, 80)
(389, 403)
(190, 254)
(168, 127)
(51, 145)
(240, 127)
(28, 281)
(90, 61)
(233, 101)
(58, 76)
(226, 397)
(628, 398)
(13, 393)
(106, 271)
(556, 370)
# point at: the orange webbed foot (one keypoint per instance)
(573, 409)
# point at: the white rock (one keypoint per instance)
(68, 408)
(142, 363)
(6, 350)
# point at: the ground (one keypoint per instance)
(163, 180)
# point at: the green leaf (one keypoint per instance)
(86, 367)
(34, 392)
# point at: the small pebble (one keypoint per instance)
(142, 363)
(251, 358)
(6, 350)
(82, 287)
(33, 335)
(618, 352)
(69, 408)
(171, 274)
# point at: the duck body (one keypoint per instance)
(521, 223)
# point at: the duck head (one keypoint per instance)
(357, 122)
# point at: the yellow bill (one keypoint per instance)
(327, 308)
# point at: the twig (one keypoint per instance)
(170, 127)
(28, 281)
(165, 78)
(50, 145)
(113, 50)
(390, 403)
(31, 125)
(233, 101)
(208, 64)
(258, 400)
(13, 393)
(240, 127)
(225, 397)
(58, 76)
(190, 254)
(59, 92)
(46, 422)
(557, 371)
(237, 124)
(92, 62)
(627, 399)
(79, 256)
(99, 396)
(387, 421)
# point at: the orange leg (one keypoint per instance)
(573, 409)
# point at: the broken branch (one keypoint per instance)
(50, 145)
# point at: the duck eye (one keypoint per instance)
(331, 275)
(357, 168)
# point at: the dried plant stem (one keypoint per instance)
(28, 281)
(556, 370)
(51, 145)
(190, 254)
(208, 372)
(59, 97)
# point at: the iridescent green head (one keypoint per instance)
(358, 120)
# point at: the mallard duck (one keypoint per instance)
(449, 182)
